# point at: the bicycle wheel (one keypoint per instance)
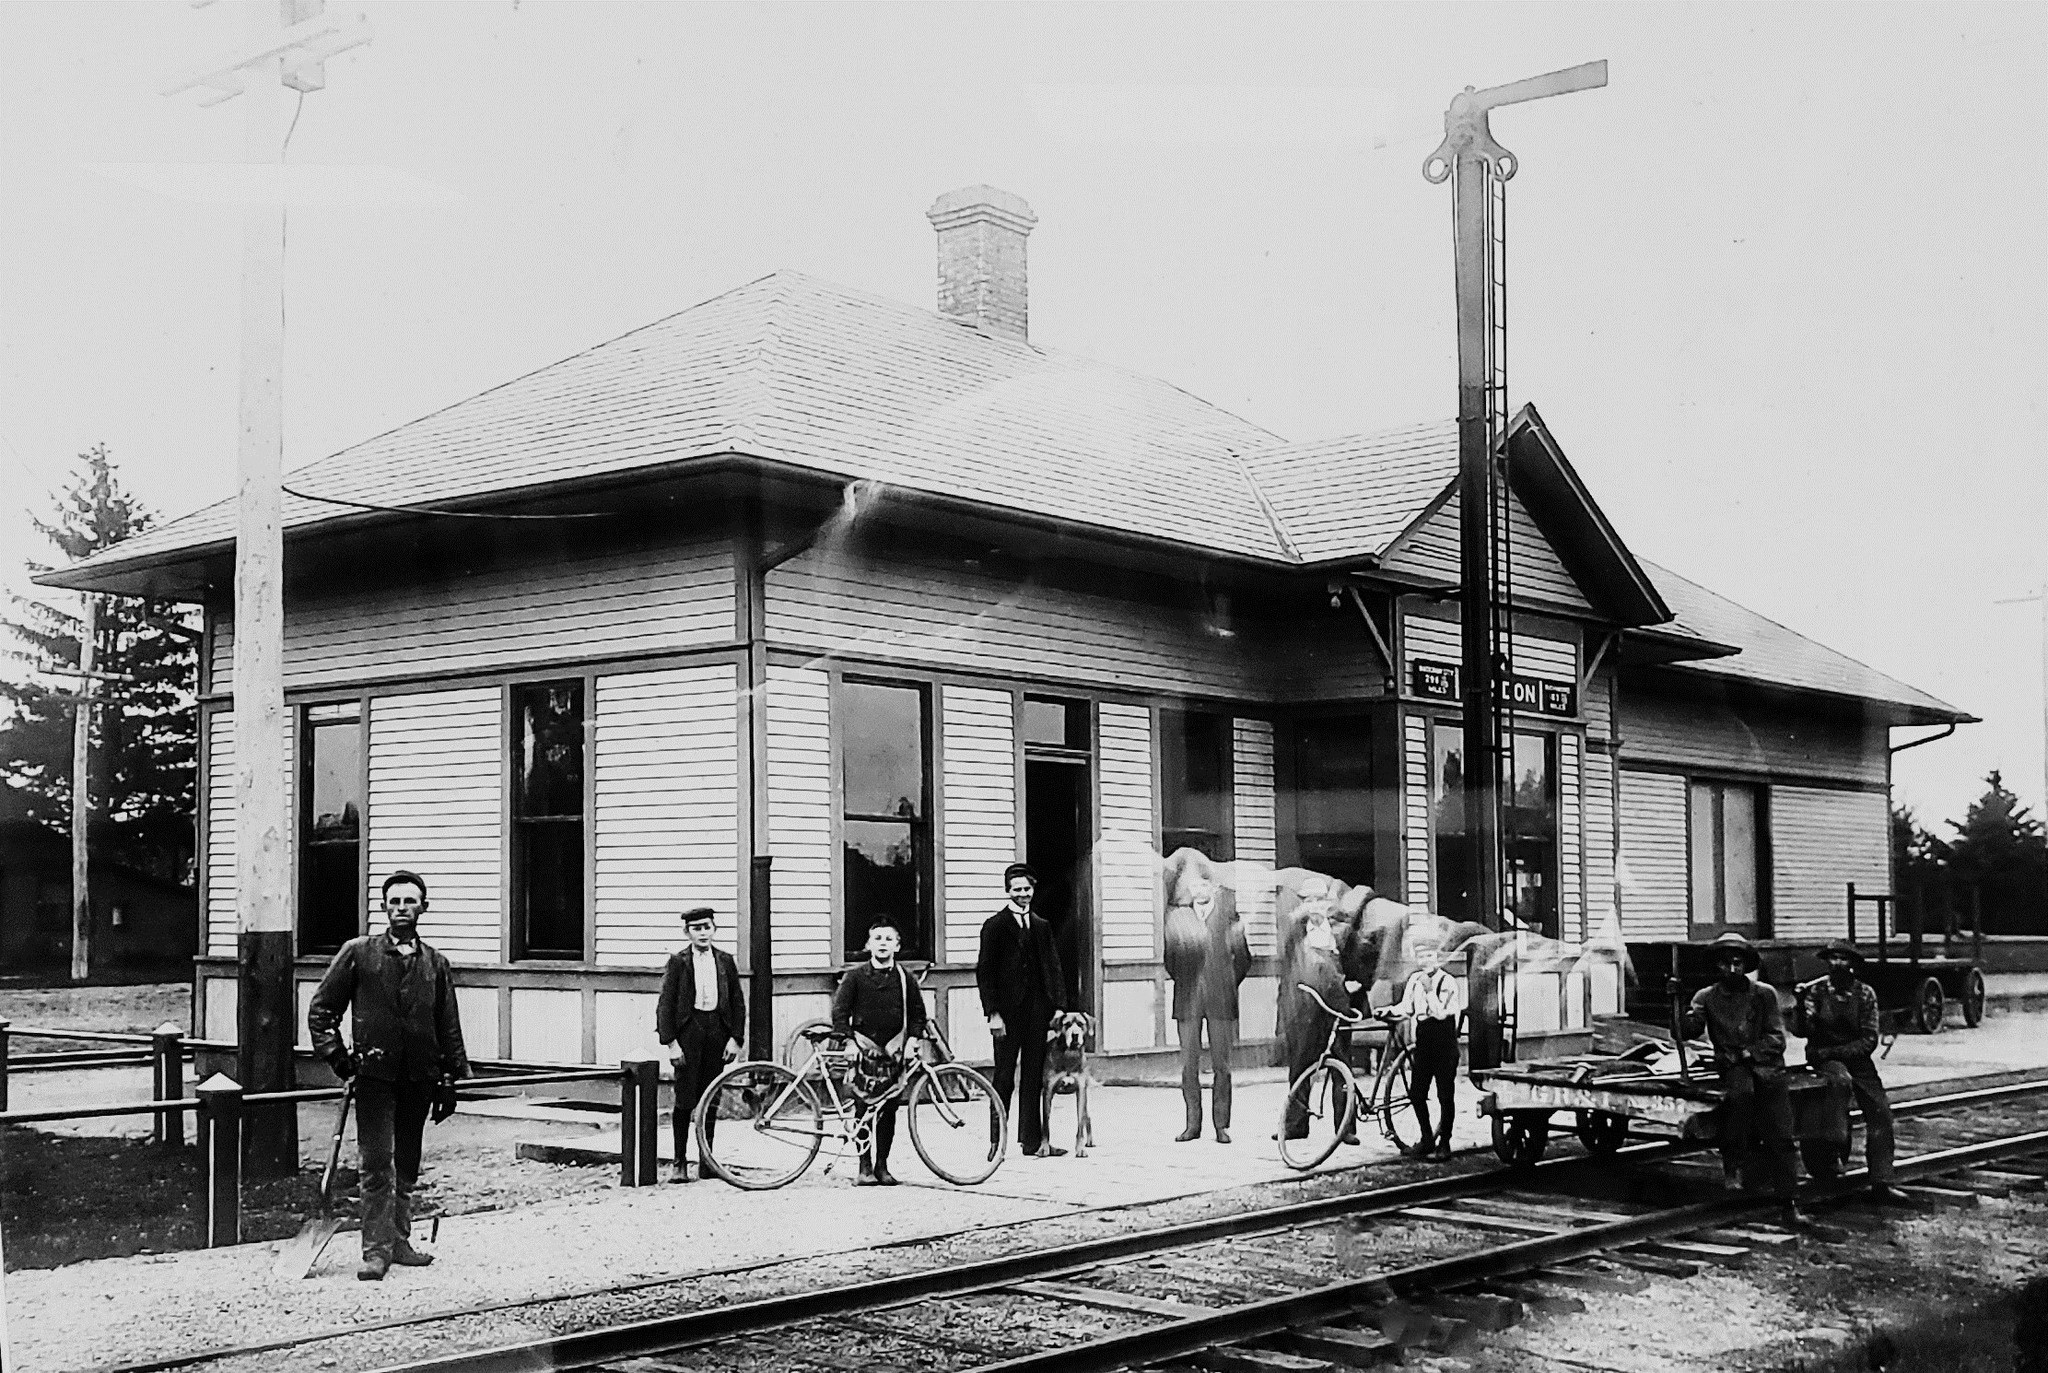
(957, 1123)
(1321, 1108)
(758, 1126)
(1391, 1106)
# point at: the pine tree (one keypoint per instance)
(2002, 850)
(143, 754)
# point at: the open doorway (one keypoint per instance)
(1059, 830)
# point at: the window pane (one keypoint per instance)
(882, 879)
(335, 783)
(1738, 859)
(1195, 777)
(330, 892)
(1530, 784)
(1706, 858)
(550, 764)
(1453, 851)
(1058, 724)
(881, 729)
(551, 877)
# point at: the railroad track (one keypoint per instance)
(1339, 1282)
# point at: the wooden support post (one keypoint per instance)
(220, 1133)
(81, 797)
(1884, 948)
(4, 1037)
(1852, 912)
(167, 1082)
(639, 1112)
(1915, 933)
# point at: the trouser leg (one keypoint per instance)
(1879, 1144)
(1307, 1034)
(376, 1130)
(1031, 1082)
(884, 1137)
(1738, 1111)
(414, 1101)
(1006, 1068)
(1222, 1041)
(697, 1064)
(1191, 1071)
(1418, 1090)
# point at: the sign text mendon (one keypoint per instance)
(1533, 695)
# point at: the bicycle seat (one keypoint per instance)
(819, 1034)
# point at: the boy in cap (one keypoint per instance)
(1741, 1019)
(1434, 1001)
(1837, 1016)
(701, 1019)
(877, 1006)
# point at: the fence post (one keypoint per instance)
(167, 1058)
(639, 1123)
(220, 1133)
(1852, 912)
(3, 1062)
(1916, 934)
(1977, 924)
(1884, 949)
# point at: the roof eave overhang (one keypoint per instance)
(1876, 708)
(184, 574)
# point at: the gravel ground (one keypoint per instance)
(706, 1243)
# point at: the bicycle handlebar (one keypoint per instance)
(1350, 1020)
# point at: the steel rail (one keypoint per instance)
(1256, 1320)
(638, 1339)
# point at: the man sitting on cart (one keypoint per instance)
(1740, 1017)
(1837, 1016)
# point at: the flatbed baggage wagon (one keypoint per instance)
(1614, 1098)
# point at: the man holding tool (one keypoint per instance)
(409, 1055)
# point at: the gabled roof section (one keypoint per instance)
(1774, 656)
(1563, 509)
(1351, 497)
(836, 382)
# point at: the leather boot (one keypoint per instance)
(403, 1254)
(375, 1266)
(867, 1176)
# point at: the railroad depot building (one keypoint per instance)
(923, 598)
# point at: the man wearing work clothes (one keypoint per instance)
(1837, 1016)
(408, 1052)
(701, 1018)
(1018, 975)
(1741, 1019)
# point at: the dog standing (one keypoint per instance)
(1066, 1072)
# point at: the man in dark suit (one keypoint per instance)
(701, 1019)
(399, 995)
(1207, 956)
(1019, 976)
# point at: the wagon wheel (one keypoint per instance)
(1929, 1005)
(1973, 998)
(1519, 1137)
(1602, 1132)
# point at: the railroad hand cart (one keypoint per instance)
(1613, 1098)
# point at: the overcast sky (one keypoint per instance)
(1778, 289)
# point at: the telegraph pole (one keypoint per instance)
(289, 41)
(1480, 165)
(81, 797)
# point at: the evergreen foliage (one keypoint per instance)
(143, 755)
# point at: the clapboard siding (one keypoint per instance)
(1128, 851)
(1655, 884)
(1821, 841)
(435, 806)
(1571, 894)
(1596, 703)
(978, 742)
(1322, 654)
(560, 608)
(223, 880)
(800, 815)
(665, 777)
(1432, 551)
(946, 615)
(1415, 809)
(1722, 736)
(1533, 655)
(1257, 852)
(1600, 908)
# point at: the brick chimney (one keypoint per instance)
(981, 258)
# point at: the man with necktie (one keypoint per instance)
(701, 1018)
(1018, 974)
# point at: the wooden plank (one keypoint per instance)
(1340, 1346)
(1739, 1236)
(1082, 1295)
(2017, 1182)
(1484, 1311)
(1656, 1263)
(1592, 1278)
(1243, 1359)
(1561, 1215)
(1475, 1220)
(1933, 1195)
(1704, 1251)
(1543, 1297)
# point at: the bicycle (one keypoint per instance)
(761, 1124)
(1330, 1101)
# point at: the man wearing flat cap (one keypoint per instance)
(1837, 1016)
(1741, 1019)
(701, 1019)
(1018, 974)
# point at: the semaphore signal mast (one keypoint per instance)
(1479, 170)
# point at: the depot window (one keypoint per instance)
(1195, 779)
(885, 785)
(331, 880)
(1726, 824)
(547, 820)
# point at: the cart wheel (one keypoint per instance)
(1973, 999)
(1929, 1005)
(1602, 1132)
(1519, 1137)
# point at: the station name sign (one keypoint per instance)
(1435, 681)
